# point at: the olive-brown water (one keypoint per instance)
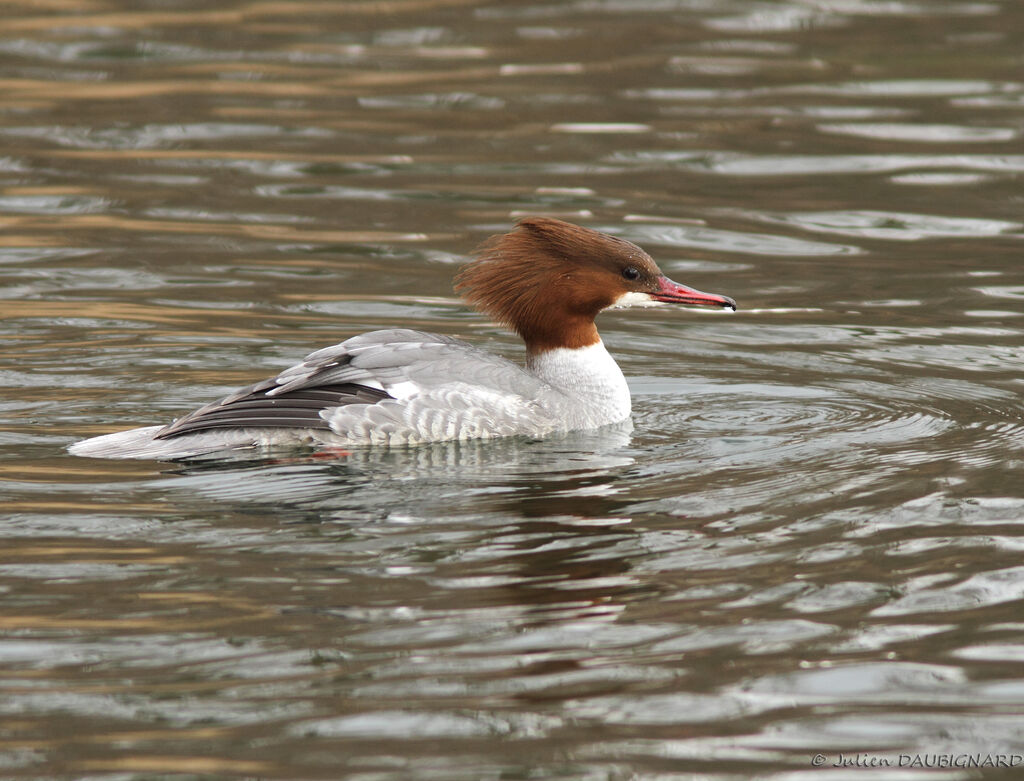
(809, 544)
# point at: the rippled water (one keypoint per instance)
(808, 543)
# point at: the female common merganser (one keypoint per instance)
(546, 280)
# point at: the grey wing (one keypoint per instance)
(296, 397)
(403, 362)
(445, 390)
(364, 370)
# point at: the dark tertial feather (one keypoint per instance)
(299, 408)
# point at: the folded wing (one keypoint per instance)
(398, 385)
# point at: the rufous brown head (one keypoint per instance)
(547, 280)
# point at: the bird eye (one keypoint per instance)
(630, 272)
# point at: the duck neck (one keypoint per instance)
(587, 375)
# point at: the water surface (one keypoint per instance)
(809, 540)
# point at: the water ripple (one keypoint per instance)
(730, 241)
(892, 226)
(932, 134)
(739, 164)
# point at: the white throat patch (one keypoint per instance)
(632, 298)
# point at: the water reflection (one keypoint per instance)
(422, 482)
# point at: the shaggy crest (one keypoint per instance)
(548, 279)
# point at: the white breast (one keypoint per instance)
(590, 379)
